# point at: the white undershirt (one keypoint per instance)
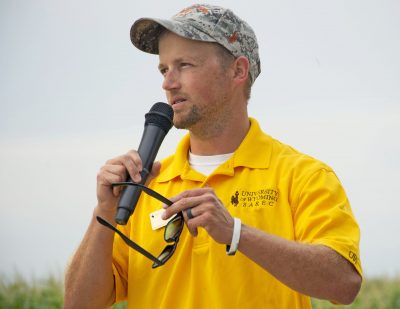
(207, 164)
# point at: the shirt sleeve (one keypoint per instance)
(322, 215)
(120, 264)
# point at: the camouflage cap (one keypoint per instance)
(206, 23)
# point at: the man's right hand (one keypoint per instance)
(116, 170)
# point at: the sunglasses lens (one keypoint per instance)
(173, 229)
(165, 254)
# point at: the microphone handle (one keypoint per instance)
(151, 141)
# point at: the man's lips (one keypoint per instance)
(178, 100)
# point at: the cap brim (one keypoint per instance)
(145, 33)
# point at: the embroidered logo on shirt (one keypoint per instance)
(258, 198)
(235, 199)
(353, 257)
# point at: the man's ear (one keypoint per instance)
(241, 69)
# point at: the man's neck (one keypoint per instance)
(225, 141)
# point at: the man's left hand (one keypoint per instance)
(206, 211)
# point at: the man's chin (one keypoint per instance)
(186, 119)
(183, 123)
(179, 125)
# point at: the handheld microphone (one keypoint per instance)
(157, 124)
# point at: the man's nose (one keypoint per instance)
(171, 80)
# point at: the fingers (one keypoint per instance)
(131, 162)
(187, 199)
(117, 170)
(192, 193)
(188, 215)
(111, 174)
(206, 211)
(106, 176)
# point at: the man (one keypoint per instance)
(285, 213)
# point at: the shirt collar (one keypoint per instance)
(254, 152)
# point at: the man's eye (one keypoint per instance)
(163, 71)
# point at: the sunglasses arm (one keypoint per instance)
(129, 242)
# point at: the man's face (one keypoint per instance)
(197, 86)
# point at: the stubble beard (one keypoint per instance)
(187, 121)
(204, 124)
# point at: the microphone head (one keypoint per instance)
(161, 115)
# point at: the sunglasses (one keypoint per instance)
(172, 230)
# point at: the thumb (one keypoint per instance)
(155, 171)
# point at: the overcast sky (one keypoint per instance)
(74, 91)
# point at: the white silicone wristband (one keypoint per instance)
(237, 227)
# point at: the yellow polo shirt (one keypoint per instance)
(269, 186)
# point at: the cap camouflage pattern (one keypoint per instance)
(206, 23)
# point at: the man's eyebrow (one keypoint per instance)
(182, 59)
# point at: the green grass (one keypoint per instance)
(20, 293)
(377, 293)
